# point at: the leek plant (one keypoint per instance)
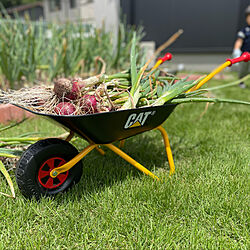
(40, 51)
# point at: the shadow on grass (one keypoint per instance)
(101, 172)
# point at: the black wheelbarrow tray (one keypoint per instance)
(50, 166)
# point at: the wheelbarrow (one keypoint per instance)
(52, 165)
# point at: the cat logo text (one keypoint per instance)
(138, 120)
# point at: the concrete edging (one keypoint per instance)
(10, 113)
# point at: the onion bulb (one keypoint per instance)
(65, 108)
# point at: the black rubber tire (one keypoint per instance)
(33, 158)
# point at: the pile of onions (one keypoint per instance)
(69, 93)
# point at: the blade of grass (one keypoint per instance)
(133, 65)
(9, 181)
(10, 151)
(229, 84)
(12, 125)
(204, 99)
(22, 139)
(7, 155)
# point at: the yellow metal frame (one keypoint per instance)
(168, 149)
(67, 166)
(210, 76)
(158, 63)
(55, 172)
(122, 142)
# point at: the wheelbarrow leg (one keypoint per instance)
(168, 149)
(100, 150)
(122, 142)
(56, 171)
(70, 136)
(131, 160)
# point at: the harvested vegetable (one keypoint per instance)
(89, 104)
(65, 88)
(65, 108)
(133, 88)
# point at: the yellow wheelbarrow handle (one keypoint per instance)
(244, 57)
(167, 57)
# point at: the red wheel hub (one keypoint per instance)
(44, 177)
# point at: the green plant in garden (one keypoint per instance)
(8, 153)
(31, 51)
(124, 43)
(7, 177)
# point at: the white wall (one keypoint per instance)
(107, 14)
(82, 12)
(55, 15)
(98, 12)
(86, 11)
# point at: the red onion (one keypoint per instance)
(89, 104)
(74, 93)
(65, 108)
(68, 89)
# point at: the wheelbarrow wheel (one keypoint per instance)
(34, 166)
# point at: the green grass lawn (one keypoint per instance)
(204, 205)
